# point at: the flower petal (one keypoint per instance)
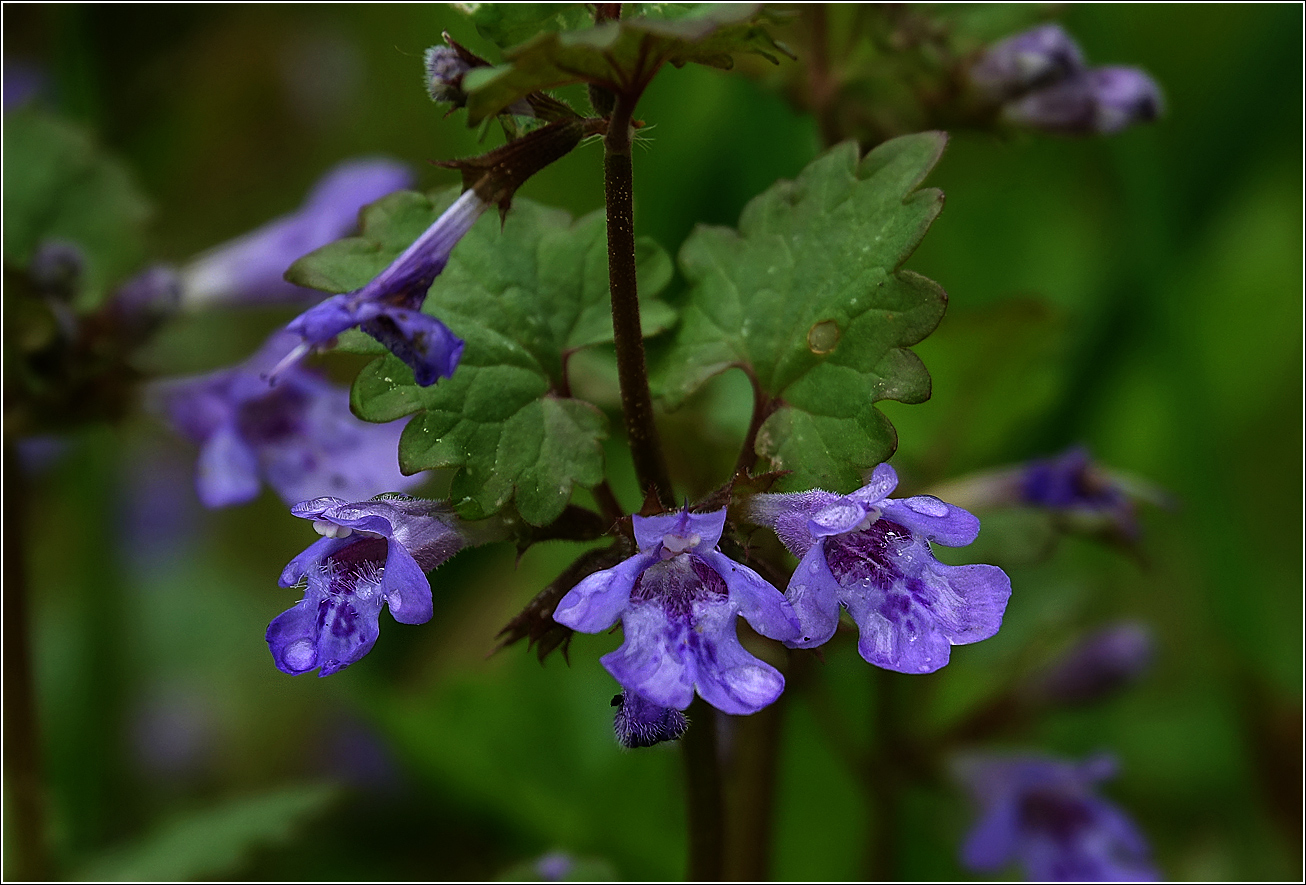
(650, 530)
(594, 604)
(814, 595)
(654, 661)
(424, 343)
(761, 604)
(836, 518)
(788, 515)
(884, 479)
(896, 632)
(727, 676)
(303, 565)
(992, 843)
(405, 586)
(967, 602)
(936, 520)
(227, 472)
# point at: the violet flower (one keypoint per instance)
(1028, 60)
(372, 553)
(1098, 665)
(872, 555)
(677, 600)
(250, 268)
(639, 723)
(1100, 101)
(389, 308)
(1072, 483)
(1045, 813)
(297, 436)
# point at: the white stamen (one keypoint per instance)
(331, 530)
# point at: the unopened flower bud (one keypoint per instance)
(1031, 59)
(1100, 664)
(1098, 102)
(445, 68)
(57, 268)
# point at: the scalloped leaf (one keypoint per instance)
(809, 298)
(523, 297)
(619, 55)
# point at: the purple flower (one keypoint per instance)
(371, 553)
(297, 435)
(872, 555)
(249, 269)
(1045, 813)
(1028, 60)
(389, 308)
(677, 600)
(1071, 482)
(1100, 664)
(639, 723)
(1100, 101)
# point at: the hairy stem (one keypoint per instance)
(30, 859)
(632, 371)
(706, 812)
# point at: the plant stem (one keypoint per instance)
(705, 810)
(632, 371)
(884, 785)
(763, 406)
(30, 858)
(751, 793)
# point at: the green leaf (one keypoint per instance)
(58, 185)
(215, 840)
(507, 24)
(623, 55)
(809, 298)
(523, 297)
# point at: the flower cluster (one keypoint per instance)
(1045, 814)
(298, 435)
(1040, 79)
(871, 554)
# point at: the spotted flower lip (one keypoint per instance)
(389, 308)
(372, 553)
(871, 554)
(298, 436)
(677, 600)
(250, 269)
(1045, 813)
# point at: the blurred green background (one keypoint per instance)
(1140, 294)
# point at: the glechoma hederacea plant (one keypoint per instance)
(473, 318)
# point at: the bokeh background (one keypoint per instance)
(1140, 294)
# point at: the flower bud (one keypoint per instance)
(1098, 102)
(445, 68)
(57, 268)
(1031, 59)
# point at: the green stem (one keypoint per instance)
(705, 810)
(30, 858)
(632, 370)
